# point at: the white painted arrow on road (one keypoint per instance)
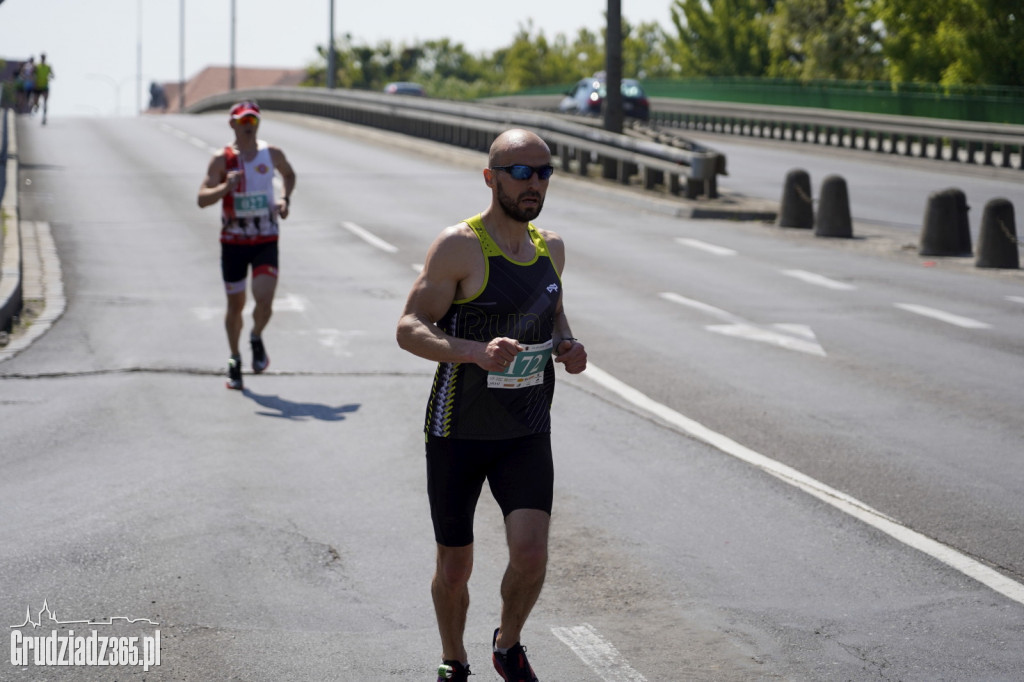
(796, 337)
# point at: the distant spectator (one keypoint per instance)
(157, 97)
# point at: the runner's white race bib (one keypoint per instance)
(251, 204)
(526, 368)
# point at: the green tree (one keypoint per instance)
(721, 37)
(533, 60)
(953, 42)
(822, 39)
(646, 53)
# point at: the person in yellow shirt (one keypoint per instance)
(41, 89)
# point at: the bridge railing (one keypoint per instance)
(967, 142)
(988, 144)
(579, 148)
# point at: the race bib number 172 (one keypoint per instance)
(526, 368)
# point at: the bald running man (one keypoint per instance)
(487, 307)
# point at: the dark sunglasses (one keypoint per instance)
(521, 171)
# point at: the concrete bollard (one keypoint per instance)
(997, 240)
(834, 209)
(946, 229)
(797, 208)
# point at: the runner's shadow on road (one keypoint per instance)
(286, 409)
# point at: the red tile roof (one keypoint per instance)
(217, 79)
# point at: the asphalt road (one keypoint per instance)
(793, 458)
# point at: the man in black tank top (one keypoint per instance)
(487, 307)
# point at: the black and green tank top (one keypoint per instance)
(517, 300)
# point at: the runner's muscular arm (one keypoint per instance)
(287, 175)
(568, 351)
(448, 268)
(218, 182)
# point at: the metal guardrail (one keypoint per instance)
(988, 144)
(691, 171)
(983, 144)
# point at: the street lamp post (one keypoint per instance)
(331, 66)
(181, 59)
(138, 64)
(613, 68)
(115, 84)
(232, 77)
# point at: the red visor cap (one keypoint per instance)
(244, 109)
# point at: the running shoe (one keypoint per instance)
(453, 671)
(235, 373)
(513, 666)
(260, 361)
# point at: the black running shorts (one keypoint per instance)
(519, 471)
(235, 260)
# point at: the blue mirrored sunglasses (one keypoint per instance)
(521, 171)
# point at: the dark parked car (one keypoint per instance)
(588, 95)
(403, 88)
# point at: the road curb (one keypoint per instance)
(10, 264)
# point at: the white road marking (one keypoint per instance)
(845, 503)
(287, 303)
(599, 654)
(942, 316)
(796, 337)
(703, 307)
(194, 141)
(369, 238)
(704, 246)
(1015, 299)
(819, 280)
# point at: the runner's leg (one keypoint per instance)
(263, 288)
(527, 534)
(450, 592)
(233, 320)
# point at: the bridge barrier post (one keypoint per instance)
(997, 241)
(834, 209)
(797, 209)
(946, 229)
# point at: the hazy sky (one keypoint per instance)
(93, 44)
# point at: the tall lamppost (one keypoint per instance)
(138, 63)
(115, 84)
(331, 66)
(613, 68)
(232, 78)
(181, 59)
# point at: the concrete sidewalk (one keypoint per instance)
(31, 285)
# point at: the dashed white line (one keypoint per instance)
(598, 654)
(840, 500)
(369, 237)
(703, 307)
(704, 246)
(182, 135)
(942, 316)
(819, 280)
(795, 337)
(1015, 299)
